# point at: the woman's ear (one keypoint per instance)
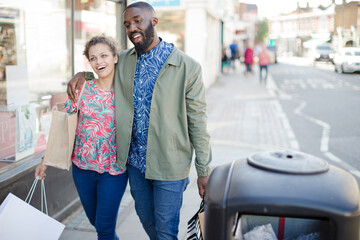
(116, 58)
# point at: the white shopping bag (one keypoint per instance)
(21, 221)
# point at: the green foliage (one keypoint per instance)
(262, 30)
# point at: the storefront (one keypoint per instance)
(41, 45)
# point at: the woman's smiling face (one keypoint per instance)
(102, 60)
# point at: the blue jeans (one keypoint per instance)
(100, 195)
(248, 67)
(157, 203)
(265, 67)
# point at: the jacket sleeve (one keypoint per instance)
(197, 122)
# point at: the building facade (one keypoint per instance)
(303, 28)
(347, 24)
(240, 24)
(296, 32)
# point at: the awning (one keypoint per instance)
(313, 42)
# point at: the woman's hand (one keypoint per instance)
(40, 171)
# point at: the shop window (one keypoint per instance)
(34, 65)
(36, 62)
(92, 17)
(171, 27)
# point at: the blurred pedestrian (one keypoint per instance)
(99, 178)
(264, 60)
(257, 49)
(225, 61)
(248, 59)
(235, 53)
(160, 120)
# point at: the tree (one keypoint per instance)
(262, 30)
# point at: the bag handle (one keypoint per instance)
(42, 194)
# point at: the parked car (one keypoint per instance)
(347, 60)
(323, 53)
(272, 53)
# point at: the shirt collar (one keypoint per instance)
(161, 43)
(171, 60)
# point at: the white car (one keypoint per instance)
(347, 60)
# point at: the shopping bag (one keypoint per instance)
(195, 226)
(61, 140)
(19, 220)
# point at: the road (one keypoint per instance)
(323, 108)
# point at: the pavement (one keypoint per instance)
(245, 117)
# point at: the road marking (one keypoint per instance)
(294, 144)
(324, 142)
(342, 164)
(356, 173)
(332, 157)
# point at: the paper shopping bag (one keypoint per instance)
(19, 220)
(195, 230)
(61, 140)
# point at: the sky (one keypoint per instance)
(268, 8)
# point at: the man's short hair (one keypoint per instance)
(143, 5)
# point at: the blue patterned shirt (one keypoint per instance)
(147, 69)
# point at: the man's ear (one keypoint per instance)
(116, 58)
(154, 21)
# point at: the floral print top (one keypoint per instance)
(95, 142)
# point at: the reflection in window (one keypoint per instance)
(171, 27)
(7, 47)
(92, 17)
(36, 63)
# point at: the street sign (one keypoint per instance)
(162, 3)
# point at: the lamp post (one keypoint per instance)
(339, 31)
(355, 35)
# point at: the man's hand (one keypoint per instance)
(74, 85)
(202, 182)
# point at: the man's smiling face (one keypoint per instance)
(139, 28)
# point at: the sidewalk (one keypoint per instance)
(244, 117)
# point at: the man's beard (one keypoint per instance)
(148, 38)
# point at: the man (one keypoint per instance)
(235, 53)
(160, 119)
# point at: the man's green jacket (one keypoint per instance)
(178, 120)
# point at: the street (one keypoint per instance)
(323, 110)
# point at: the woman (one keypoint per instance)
(249, 59)
(99, 179)
(264, 61)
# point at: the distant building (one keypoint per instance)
(303, 28)
(242, 24)
(347, 24)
